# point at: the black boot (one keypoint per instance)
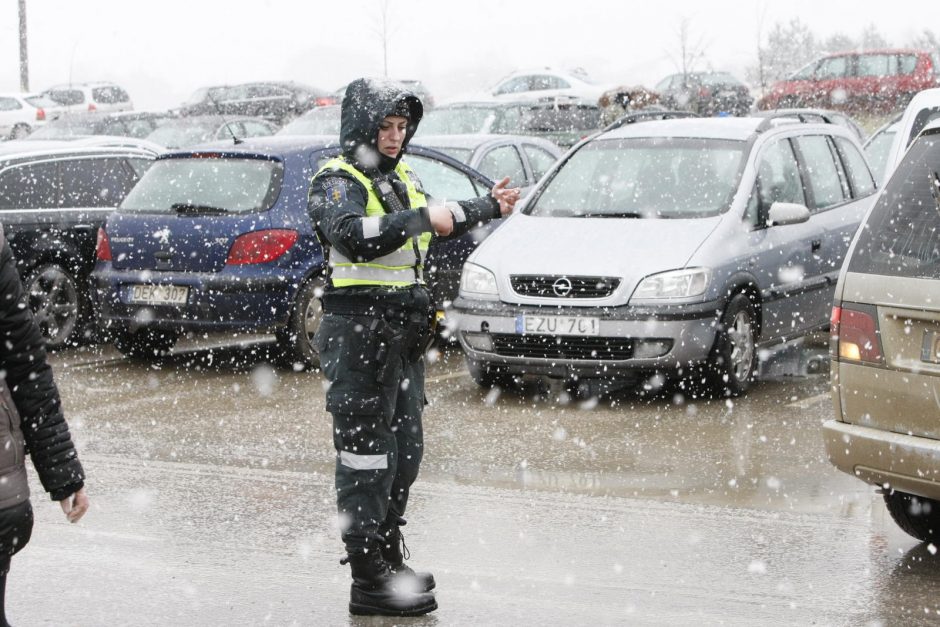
(395, 553)
(376, 590)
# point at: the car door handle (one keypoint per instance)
(817, 244)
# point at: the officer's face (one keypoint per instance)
(392, 135)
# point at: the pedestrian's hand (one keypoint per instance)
(75, 506)
(442, 220)
(506, 198)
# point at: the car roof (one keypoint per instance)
(712, 128)
(278, 145)
(15, 150)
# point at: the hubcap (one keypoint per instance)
(742, 345)
(312, 315)
(53, 298)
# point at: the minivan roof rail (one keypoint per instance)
(645, 116)
(802, 117)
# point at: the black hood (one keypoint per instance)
(366, 103)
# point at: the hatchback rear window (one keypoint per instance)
(207, 184)
(656, 177)
(902, 234)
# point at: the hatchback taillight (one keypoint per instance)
(261, 246)
(854, 334)
(103, 246)
(323, 101)
(92, 107)
(40, 114)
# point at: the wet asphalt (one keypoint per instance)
(210, 475)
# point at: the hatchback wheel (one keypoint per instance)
(145, 343)
(732, 365)
(56, 301)
(296, 339)
(916, 515)
(19, 131)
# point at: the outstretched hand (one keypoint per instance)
(506, 198)
(75, 506)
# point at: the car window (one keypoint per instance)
(544, 81)
(30, 186)
(778, 179)
(228, 129)
(442, 181)
(109, 94)
(862, 183)
(66, 96)
(539, 160)
(877, 149)
(921, 120)
(10, 104)
(94, 182)
(514, 86)
(508, 120)
(901, 236)
(139, 128)
(805, 72)
(232, 184)
(501, 162)
(877, 65)
(822, 170)
(40, 101)
(452, 121)
(907, 63)
(833, 67)
(460, 154)
(139, 166)
(256, 129)
(671, 177)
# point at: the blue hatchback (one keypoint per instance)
(218, 238)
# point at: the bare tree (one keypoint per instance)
(872, 39)
(926, 40)
(690, 52)
(384, 29)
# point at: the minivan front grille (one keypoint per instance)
(561, 286)
(563, 347)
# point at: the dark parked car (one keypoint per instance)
(874, 81)
(119, 124)
(52, 203)
(200, 129)
(275, 101)
(220, 239)
(561, 120)
(705, 93)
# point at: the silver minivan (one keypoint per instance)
(667, 248)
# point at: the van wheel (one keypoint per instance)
(56, 303)
(916, 515)
(145, 343)
(733, 362)
(19, 131)
(296, 340)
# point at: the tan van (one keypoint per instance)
(886, 345)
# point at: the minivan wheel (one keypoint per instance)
(916, 515)
(732, 365)
(55, 300)
(296, 340)
(19, 131)
(145, 343)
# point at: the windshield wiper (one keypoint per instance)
(194, 209)
(622, 214)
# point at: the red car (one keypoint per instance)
(874, 80)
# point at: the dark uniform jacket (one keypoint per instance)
(337, 200)
(31, 417)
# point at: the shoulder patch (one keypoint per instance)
(334, 188)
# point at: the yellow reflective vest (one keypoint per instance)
(399, 268)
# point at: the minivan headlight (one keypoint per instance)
(478, 282)
(673, 284)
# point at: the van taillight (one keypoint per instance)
(323, 101)
(40, 114)
(854, 334)
(103, 246)
(261, 246)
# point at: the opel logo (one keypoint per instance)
(562, 287)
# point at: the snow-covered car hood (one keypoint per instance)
(629, 249)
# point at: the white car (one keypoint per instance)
(90, 97)
(923, 108)
(20, 114)
(547, 82)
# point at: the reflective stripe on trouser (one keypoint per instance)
(377, 429)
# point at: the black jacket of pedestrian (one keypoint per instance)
(36, 425)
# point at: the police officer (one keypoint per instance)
(375, 223)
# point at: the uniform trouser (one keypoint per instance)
(376, 397)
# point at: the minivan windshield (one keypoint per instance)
(214, 184)
(648, 177)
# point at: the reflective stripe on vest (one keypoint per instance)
(395, 269)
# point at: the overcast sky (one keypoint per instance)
(162, 51)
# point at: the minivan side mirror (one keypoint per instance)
(782, 213)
